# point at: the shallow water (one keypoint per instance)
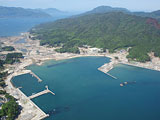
(84, 93)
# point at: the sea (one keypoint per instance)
(15, 26)
(85, 93)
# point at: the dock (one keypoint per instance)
(34, 75)
(41, 93)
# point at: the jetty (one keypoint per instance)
(106, 70)
(34, 75)
(41, 93)
(107, 67)
(110, 75)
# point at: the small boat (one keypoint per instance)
(121, 84)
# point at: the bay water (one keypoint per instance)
(84, 93)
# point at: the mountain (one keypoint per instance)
(57, 13)
(111, 31)
(11, 12)
(105, 9)
(154, 14)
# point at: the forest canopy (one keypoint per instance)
(111, 31)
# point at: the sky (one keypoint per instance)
(84, 5)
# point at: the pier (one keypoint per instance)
(34, 75)
(41, 93)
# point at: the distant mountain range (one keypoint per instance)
(107, 28)
(103, 27)
(11, 12)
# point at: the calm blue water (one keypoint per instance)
(15, 26)
(84, 93)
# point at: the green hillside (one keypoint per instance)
(107, 30)
(106, 9)
(154, 14)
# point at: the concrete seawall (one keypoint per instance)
(22, 72)
(107, 67)
(42, 114)
(30, 110)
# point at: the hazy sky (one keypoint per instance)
(83, 5)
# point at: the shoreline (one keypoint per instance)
(133, 65)
(28, 106)
(43, 114)
(109, 66)
(22, 98)
(45, 54)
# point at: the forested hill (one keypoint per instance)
(12, 12)
(105, 9)
(108, 30)
(154, 14)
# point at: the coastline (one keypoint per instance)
(30, 110)
(109, 66)
(23, 100)
(44, 54)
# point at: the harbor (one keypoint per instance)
(30, 110)
(92, 89)
(31, 56)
